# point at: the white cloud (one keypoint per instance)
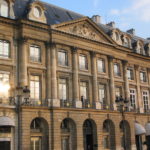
(139, 9)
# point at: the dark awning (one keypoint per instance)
(139, 129)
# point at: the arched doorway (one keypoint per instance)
(109, 135)
(126, 135)
(6, 133)
(90, 135)
(39, 134)
(68, 135)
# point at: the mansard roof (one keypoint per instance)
(54, 14)
(57, 15)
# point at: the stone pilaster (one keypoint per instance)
(95, 84)
(48, 74)
(112, 84)
(126, 83)
(55, 101)
(22, 51)
(77, 100)
(138, 93)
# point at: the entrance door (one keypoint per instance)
(5, 145)
(89, 142)
(139, 142)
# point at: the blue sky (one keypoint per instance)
(126, 13)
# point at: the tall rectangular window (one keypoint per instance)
(4, 9)
(4, 49)
(4, 84)
(145, 95)
(35, 53)
(118, 91)
(83, 90)
(35, 87)
(83, 64)
(133, 98)
(130, 74)
(101, 65)
(62, 89)
(117, 71)
(102, 93)
(63, 58)
(143, 76)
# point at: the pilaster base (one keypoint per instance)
(115, 106)
(54, 102)
(98, 105)
(78, 104)
(141, 110)
(133, 147)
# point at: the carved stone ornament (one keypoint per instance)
(83, 30)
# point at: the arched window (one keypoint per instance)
(109, 135)
(90, 135)
(39, 134)
(4, 8)
(140, 49)
(68, 135)
(126, 135)
(116, 36)
(126, 42)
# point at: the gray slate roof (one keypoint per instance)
(54, 14)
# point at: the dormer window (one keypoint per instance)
(116, 36)
(4, 9)
(37, 12)
(140, 49)
(126, 42)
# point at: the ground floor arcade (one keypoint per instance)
(73, 129)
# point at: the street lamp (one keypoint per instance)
(122, 105)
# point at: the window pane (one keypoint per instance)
(118, 91)
(133, 98)
(4, 49)
(101, 65)
(35, 53)
(83, 62)
(62, 58)
(35, 87)
(145, 99)
(101, 93)
(83, 89)
(62, 89)
(4, 9)
(4, 85)
(116, 69)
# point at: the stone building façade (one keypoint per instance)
(75, 67)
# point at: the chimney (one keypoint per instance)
(96, 18)
(131, 31)
(111, 24)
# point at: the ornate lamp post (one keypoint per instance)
(122, 105)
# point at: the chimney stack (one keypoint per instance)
(131, 31)
(96, 18)
(111, 24)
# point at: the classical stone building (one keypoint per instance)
(69, 82)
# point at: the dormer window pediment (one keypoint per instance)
(37, 12)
